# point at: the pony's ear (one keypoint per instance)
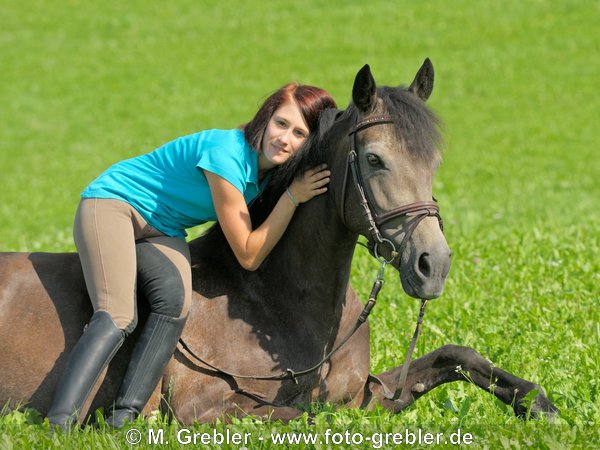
(364, 90)
(422, 85)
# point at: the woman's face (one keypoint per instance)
(285, 133)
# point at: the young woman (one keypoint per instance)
(210, 175)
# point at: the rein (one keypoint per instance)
(420, 210)
(290, 374)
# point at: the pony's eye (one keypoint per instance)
(373, 159)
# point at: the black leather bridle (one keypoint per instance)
(420, 210)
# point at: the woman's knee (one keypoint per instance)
(124, 322)
(162, 281)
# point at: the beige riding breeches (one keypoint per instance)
(105, 233)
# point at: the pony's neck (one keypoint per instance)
(316, 250)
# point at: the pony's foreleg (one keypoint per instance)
(456, 363)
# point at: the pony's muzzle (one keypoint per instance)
(429, 272)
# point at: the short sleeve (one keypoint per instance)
(223, 154)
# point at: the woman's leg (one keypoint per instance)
(164, 279)
(105, 233)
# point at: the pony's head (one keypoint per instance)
(387, 146)
(383, 151)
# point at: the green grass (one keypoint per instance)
(85, 84)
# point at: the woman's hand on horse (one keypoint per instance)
(312, 183)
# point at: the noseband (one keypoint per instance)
(419, 210)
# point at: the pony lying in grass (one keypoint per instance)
(251, 335)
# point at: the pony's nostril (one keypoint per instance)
(424, 265)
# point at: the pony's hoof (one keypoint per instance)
(540, 407)
(543, 407)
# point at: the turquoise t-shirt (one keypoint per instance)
(168, 186)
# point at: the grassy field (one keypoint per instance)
(85, 84)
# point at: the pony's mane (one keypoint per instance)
(419, 126)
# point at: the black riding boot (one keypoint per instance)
(148, 361)
(97, 345)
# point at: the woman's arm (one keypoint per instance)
(250, 246)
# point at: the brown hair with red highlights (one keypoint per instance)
(311, 101)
